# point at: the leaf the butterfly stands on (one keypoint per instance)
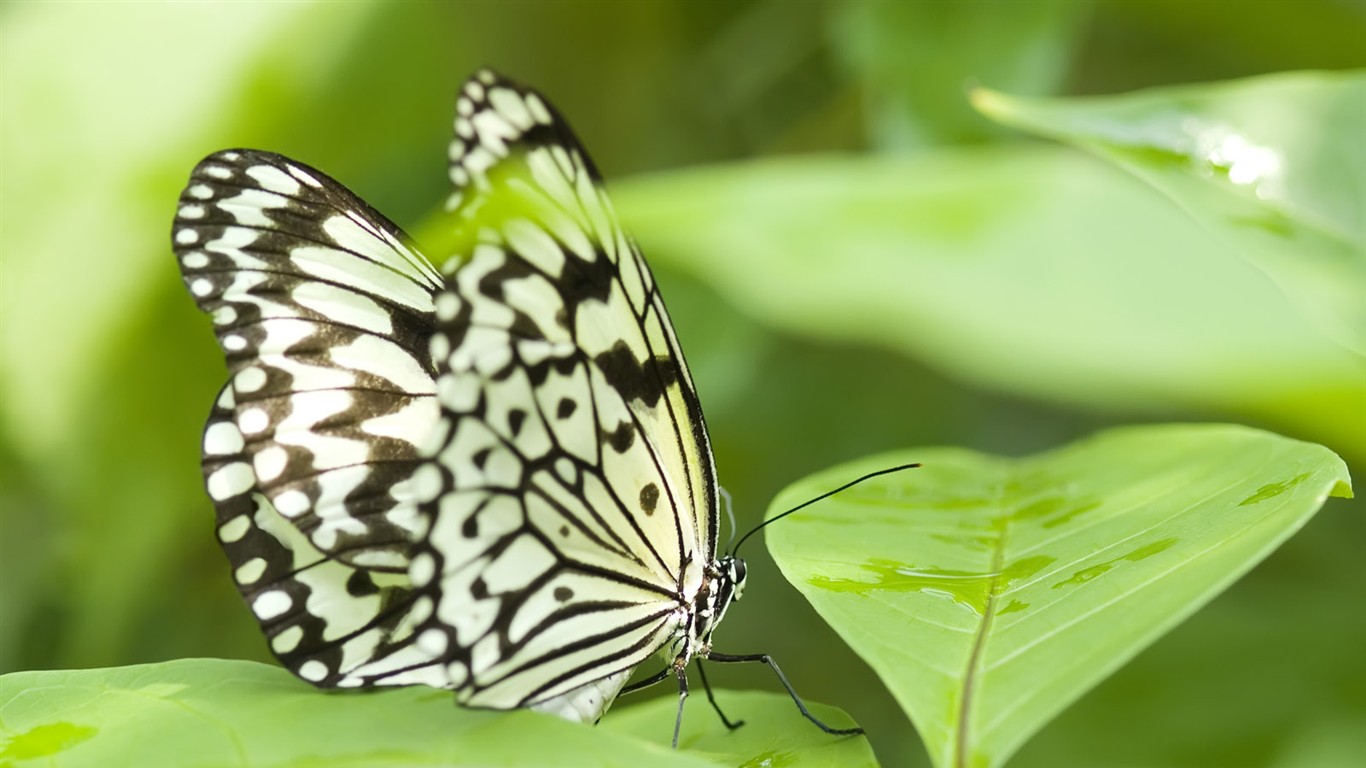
(494, 478)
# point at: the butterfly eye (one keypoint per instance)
(737, 577)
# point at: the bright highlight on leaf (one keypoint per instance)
(1272, 165)
(989, 593)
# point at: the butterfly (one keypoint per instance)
(493, 478)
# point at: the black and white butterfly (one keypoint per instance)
(494, 478)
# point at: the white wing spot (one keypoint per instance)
(287, 640)
(433, 642)
(427, 483)
(195, 260)
(538, 108)
(458, 674)
(270, 463)
(200, 191)
(440, 346)
(227, 482)
(225, 315)
(222, 439)
(447, 305)
(565, 469)
(292, 503)
(249, 379)
(218, 171)
(511, 105)
(234, 343)
(313, 670)
(269, 605)
(422, 610)
(274, 179)
(458, 393)
(422, 569)
(380, 559)
(305, 177)
(247, 205)
(251, 571)
(253, 421)
(186, 237)
(191, 212)
(234, 529)
(226, 399)
(201, 287)
(536, 245)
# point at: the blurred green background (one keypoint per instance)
(108, 555)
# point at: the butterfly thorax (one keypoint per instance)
(723, 582)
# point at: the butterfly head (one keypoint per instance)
(733, 577)
(729, 585)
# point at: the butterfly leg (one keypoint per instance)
(682, 671)
(660, 677)
(706, 686)
(764, 658)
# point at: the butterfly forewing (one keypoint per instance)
(571, 498)
(323, 313)
(514, 160)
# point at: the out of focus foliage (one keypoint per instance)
(856, 260)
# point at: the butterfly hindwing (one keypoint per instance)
(331, 623)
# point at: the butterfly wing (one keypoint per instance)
(571, 502)
(323, 312)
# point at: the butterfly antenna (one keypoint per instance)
(730, 514)
(825, 495)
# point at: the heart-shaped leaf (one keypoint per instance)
(989, 593)
(1274, 166)
(210, 713)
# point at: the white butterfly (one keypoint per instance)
(495, 478)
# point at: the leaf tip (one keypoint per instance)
(993, 104)
(1342, 489)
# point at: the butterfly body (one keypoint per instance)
(493, 477)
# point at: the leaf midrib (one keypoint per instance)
(979, 642)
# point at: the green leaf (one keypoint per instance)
(989, 593)
(207, 713)
(1273, 166)
(774, 733)
(1034, 270)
